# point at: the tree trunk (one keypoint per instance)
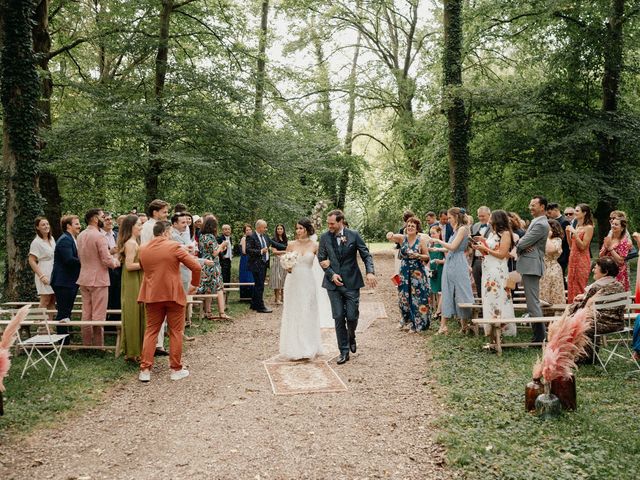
(406, 121)
(20, 91)
(458, 122)
(343, 181)
(608, 155)
(258, 115)
(156, 167)
(326, 120)
(48, 181)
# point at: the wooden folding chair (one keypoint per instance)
(606, 345)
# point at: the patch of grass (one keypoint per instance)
(488, 434)
(35, 401)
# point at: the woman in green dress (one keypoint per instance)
(133, 317)
(436, 257)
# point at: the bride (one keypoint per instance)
(301, 315)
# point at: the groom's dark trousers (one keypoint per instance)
(345, 307)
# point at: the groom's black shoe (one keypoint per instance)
(265, 310)
(344, 357)
(352, 345)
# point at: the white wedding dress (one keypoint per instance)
(300, 328)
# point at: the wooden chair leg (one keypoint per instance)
(118, 339)
(497, 334)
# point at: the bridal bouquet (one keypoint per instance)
(289, 260)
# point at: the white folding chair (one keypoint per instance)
(605, 345)
(40, 347)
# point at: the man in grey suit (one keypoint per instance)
(530, 265)
(342, 278)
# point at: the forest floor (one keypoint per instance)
(225, 422)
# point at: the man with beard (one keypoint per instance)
(95, 262)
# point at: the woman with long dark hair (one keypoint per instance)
(133, 316)
(278, 274)
(300, 328)
(245, 276)
(579, 238)
(211, 282)
(617, 245)
(496, 298)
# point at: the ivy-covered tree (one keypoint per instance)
(20, 91)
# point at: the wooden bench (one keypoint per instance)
(496, 325)
(79, 323)
(495, 334)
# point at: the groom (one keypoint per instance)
(342, 279)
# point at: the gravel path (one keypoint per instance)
(223, 422)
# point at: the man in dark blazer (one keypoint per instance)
(337, 254)
(66, 269)
(258, 251)
(479, 229)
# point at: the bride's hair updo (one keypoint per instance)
(308, 226)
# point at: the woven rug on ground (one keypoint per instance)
(369, 311)
(293, 378)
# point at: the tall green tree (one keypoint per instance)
(457, 118)
(20, 91)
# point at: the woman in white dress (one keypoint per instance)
(300, 328)
(496, 299)
(41, 262)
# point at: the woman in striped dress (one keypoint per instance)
(278, 274)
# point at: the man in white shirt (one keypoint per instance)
(480, 229)
(115, 274)
(158, 210)
(227, 256)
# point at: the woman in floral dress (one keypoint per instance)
(579, 238)
(211, 281)
(552, 283)
(617, 246)
(496, 298)
(413, 291)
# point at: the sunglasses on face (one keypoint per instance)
(568, 214)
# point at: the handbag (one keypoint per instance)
(512, 280)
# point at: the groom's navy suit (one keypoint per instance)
(342, 253)
(257, 265)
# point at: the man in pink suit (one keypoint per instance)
(95, 261)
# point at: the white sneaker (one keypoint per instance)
(179, 374)
(65, 320)
(144, 375)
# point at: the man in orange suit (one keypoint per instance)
(95, 262)
(163, 295)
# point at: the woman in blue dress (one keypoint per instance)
(246, 291)
(456, 282)
(413, 290)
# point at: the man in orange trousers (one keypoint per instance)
(163, 295)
